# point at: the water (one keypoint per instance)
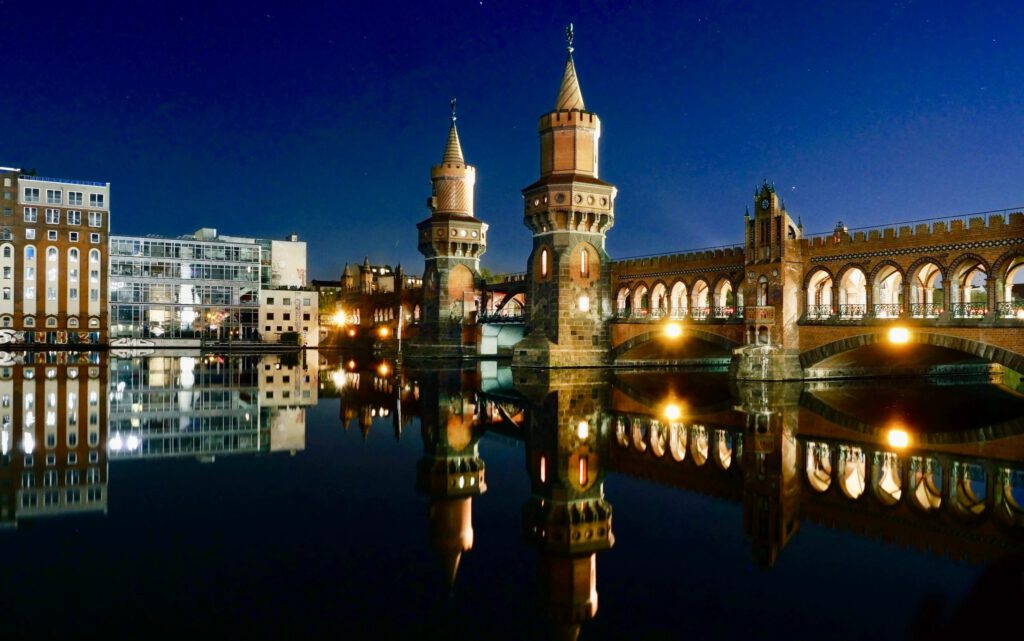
(335, 496)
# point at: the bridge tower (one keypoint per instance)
(569, 210)
(452, 241)
(773, 278)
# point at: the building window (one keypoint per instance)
(544, 262)
(270, 315)
(305, 317)
(30, 253)
(306, 302)
(94, 239)
(584, 263)
(73, 295)
(30, 321)
(31, 214)
(94, 295)
(95, 219)
(75, 217)
(287, 316)
(270, 395)
(270, 301)
(96, 200)
(8, 272)
(75, 198)
(6, 235)
(31, 195)
(30, 234)
(73, 255)
(73, 236)
(53, 196)
(51, 234)
(51, 294)
(7, 295)
(52, 216)
(8, 211)
(287, 301)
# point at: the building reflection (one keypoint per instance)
(53, 434)
(567, 517)
(451, 472)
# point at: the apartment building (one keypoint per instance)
(53, 259)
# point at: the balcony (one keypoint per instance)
(852, 312)
(925, 310)
(759, 314)
(887, 310)
(968, 310)
(1014, 309)
(819, 312)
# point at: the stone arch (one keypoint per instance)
(926, 484)
(724, 293)
(818, 286)
(659, 298)
(963, 286)
(819, 466)
(886, 280)
(692, 332)
(622, 299)
(852, 283)
(927, 280)
(1005, 270)
(700, 293)
(679, 299)
(887, 478)
(641, 299)
(814, 270)
(852, 471)
(968, 490)
(986, 351)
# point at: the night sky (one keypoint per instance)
(323, 118)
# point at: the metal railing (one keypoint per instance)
(728, 311)
(819, 312)
(968, 310)
(852, 312)
(925, 310)
(888, 310)
(1013, 309)
(504, 316)
(700, 313)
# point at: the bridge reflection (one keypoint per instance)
(790, 453)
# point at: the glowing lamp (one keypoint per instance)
(339, 318)
(383, 369)
(673, 412)
(673, 330)
(899, 335)
(383, 332)
(583, 430)
(898, 438)
(351, 332)
(584, 303)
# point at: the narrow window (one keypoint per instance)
(544, 262)
(584, 263)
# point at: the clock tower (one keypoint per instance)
(569, 210)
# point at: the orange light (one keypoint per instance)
(351, 332)
(383, 369)
(383, 332)
(352, 365)
(898, 438)
(673, 330)
(672, 412)
(899, 335)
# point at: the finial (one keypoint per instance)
(799, 223)
(453, 111)
(568, 37)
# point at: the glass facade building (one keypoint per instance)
(175, 288)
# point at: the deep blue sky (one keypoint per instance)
(323, 118)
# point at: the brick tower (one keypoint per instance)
(452, 240)
(568, 210)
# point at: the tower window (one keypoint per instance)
(584, 263)
(544, 262)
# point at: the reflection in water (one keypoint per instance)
(787, 453)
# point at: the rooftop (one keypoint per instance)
(66, 181)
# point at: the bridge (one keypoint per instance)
(935, 296)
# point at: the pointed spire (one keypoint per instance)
(569, 95)
(453, 152)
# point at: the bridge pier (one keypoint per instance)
(765, 363)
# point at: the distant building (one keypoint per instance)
(53, 263)
(185, 289)
(289, 311)
(372, 296)
(286, 390)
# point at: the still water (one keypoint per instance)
(150, 496)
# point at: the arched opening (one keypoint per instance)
(1010, 507)
(853, 295)
(699, 444)
(677, 441)
(544, 262)
(819, 295)
(700, 297)
(1012, 305)
(852, 471)
(584, 263)
(887, 478)
(678, 300)
(659, 438)
(461, 292)
(762, 291)
(659, 301)
(969, 489)
(725, 301)
(639, 435)
(968, 295)
(723, 449)
(620, 432)
(641, 301)
(887, 292)
(926, 483)
(926, 291)
(622, 301)
(819, 466)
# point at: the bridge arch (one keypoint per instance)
(968, 275)
(852, 291)
(886, 280)
(623, 301)
(641, 299)
(679, 299)
(690, 331)
(927, 278)
(985, 351)
(659, 297)
(818, 286)
(1007, 269)
(700, 293)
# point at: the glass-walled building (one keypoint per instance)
(191, 287)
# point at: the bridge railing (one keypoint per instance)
(887, 310)
(684, 313)
(1013, 309)
(968, 310)
(925, 310)
(819, 312)
(852, 312)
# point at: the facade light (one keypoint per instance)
(899, 335)
(672, 412)
(673, 330)
(898, 438)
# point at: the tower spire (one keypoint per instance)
(569, 95)
(453, 151)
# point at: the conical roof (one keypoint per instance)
(453, 151)
(569, 95)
